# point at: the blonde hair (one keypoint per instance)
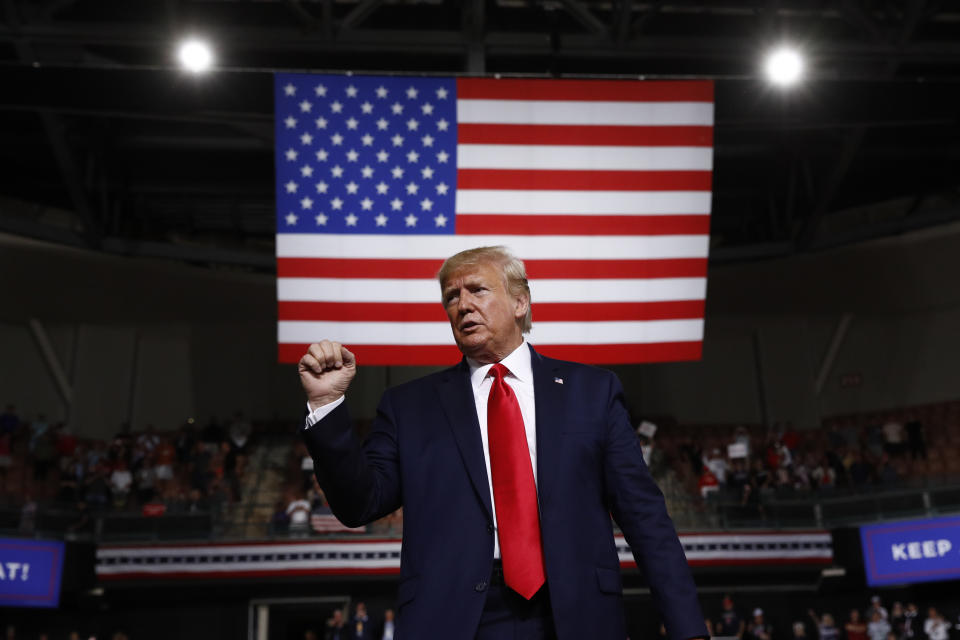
(514, 273)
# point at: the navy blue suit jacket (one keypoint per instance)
(424, 453)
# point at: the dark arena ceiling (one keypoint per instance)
(108, 144)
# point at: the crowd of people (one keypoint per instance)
(187, 470)
(902, 621)
(742, 465)
(303, 509)
(359, 626)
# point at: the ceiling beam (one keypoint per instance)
(582, 14)
(359, 13)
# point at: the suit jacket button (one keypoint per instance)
(490, 528)
(481, 586)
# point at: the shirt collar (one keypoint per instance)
(518, 362)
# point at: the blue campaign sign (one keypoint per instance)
(912, 551)
(30, 573)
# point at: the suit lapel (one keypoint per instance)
(456, 398)
(551, 401)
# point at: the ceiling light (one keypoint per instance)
(195, 55)
(784, 67)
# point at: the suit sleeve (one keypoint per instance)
(361, 481)
(639, 509)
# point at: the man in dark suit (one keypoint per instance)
(508, 467)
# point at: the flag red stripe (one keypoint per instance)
(542, 311)
(583, 90)
(536, 269)
(561, 180)
(592, 135)
(547, 225)
(391, 354)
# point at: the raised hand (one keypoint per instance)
(326, 371)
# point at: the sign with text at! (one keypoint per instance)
(912, 551)
(30, 573)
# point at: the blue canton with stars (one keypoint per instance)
(365, 154)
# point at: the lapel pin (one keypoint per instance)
(558, 380)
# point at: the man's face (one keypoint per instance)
(482, 313)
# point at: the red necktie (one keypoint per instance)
(515, 494)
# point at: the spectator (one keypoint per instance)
(306, 469)
(280, 522)
(97, 489)
(336, 627)
(729, 624)
(65, 444)
(893, 438)
(44, 454)
(897, 620)
(758, 629)
(708, 483)
(38, 429)
(826, 629)
(935, 626)
(239, 432)
(183, 443)
(388, 628)
(911, 621)
(879, 627)
(887, 474)
(739, 478)
(164, 457)
(120, 482)
(784, 455)
(694, 455)
(855, 628)
(298, 510)
(742, 436)
(218, 497)
(799, 630)
(196, 502)
(876, 606)
(717, 465)
(71, 481)
(915, 438)
(824, 476)
(652, 455)
(148, 440)
(146, 481)
(801, 475)
(360, 624)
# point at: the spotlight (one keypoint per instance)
(195, 55)
(784, 67)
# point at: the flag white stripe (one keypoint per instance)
(502, 201)
(583, 158)
(438, 333)
(584, 112)
(441, 247)
(541, 290)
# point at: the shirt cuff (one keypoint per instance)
(321, 412)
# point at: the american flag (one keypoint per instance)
(322, 520)
(602, 187)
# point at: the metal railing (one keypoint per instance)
(821, 510)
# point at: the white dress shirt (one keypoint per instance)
(520, 380)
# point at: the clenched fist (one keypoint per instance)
(326, 371)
